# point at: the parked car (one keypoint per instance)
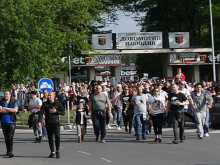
(215, 112)
(1, 94)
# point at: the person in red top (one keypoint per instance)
(72, 95)
(179, 76)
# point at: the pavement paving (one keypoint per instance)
(120, 148)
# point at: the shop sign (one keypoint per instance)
(111, 60)
(193, 58)
(143, 40)
(128, 72)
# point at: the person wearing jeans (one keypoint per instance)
(141, 124)
(206, 125)
(118, 104)
(139, 101)
(119, 116)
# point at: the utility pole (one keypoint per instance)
(212, 38)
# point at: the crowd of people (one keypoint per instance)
(140, 105)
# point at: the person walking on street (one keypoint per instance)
(35, 105)
(176, 102)
(8, 109)
(139, 101)
(118, 105)
(156, 107)
(202, 101)
(127, 110)
(52, 109)
(80, 121)
(98, 109)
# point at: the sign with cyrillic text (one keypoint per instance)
(142, 40)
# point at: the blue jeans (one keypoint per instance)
(119, 116)
(206, 125)
(138, 122)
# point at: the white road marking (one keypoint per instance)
(84, 152)
(109, 161)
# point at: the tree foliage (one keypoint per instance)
(35, 33)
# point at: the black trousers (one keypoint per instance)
(8, 131)
(53, 129)
(158, 123)
(128, 119)
(99, 123)
(178, 121)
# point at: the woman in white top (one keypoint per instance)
(156, 107)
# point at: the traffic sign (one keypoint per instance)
(45, 83)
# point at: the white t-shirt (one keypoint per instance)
(141, 103)
(66, 89)
(156, 104)
(117, 100)
(186, 93)
(35, 102)
(163, 95)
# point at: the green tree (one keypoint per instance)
(35, 33)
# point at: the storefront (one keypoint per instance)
(196, 66)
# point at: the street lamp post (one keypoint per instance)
(212, 38)
(69, 70)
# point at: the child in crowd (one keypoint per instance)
(80, 121)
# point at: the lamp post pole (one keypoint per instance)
(212, 38)
(69, 70)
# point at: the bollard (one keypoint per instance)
(68, 112)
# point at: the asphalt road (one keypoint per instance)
(120, 149)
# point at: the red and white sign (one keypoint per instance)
(179, 40)
(187, 58)
(102, 41)
(108, 60)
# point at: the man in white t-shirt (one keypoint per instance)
(66, 89)
(35, 105)
(140, 112)
(186, 92)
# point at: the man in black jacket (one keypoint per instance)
(52, 109)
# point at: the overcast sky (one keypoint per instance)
(125, 24)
